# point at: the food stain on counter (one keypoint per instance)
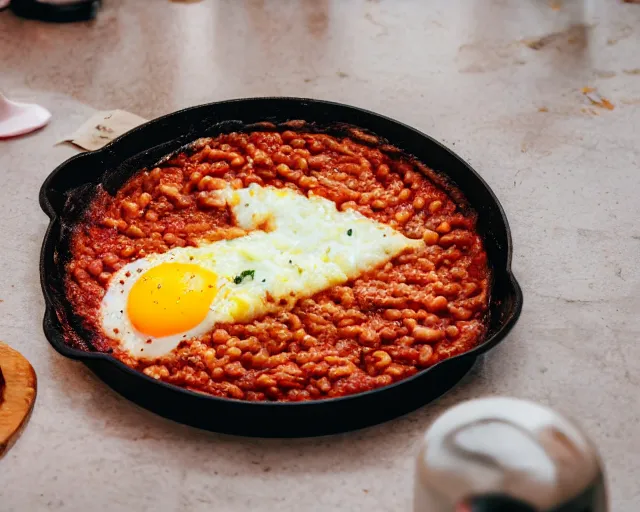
(317, 17)
(490, 55)
(596, 99)
(623, 32)
(573, 37)
(484, 56)
(605, 74)
(384, 30)
(555, 5)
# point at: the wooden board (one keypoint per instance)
(18, 385)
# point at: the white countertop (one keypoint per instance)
(568, 178)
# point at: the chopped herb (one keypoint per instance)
(243, 274)
(290, 261)
(263, 280)
(190, 258)
(349, 232)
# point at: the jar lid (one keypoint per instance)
(506, 447)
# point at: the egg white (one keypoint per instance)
(309, 246)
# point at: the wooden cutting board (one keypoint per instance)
(18, 386)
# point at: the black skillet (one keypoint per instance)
(69, 188)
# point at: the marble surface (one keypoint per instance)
(460, 70)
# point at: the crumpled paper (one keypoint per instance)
(102, 127)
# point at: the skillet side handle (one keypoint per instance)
(505, 308)
(515, 301)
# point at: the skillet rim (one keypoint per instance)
(53, 330)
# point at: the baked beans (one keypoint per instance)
(408, 314)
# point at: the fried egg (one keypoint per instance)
(296, 246)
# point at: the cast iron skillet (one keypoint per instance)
(69, 188)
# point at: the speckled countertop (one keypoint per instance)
(566, 172)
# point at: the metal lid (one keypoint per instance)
(508, 447)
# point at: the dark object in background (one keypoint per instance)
(78, 10)
(495, 503)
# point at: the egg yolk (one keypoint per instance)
(171, 298)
